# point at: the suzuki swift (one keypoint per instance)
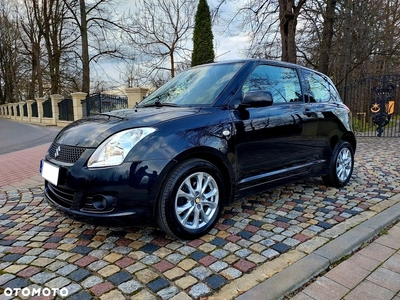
(213, 134)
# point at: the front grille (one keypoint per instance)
(62, 196)
(67, 154)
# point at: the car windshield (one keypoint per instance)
(196, 86)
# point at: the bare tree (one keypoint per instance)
(360, 42)
(267, 22)
(45, 31)
(100, 32)
(161, 30)
(288, 15)
(10, 61)
(349, 39)
(327, 36)
(59, 38)
(31, 37)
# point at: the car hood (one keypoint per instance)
(91, 131)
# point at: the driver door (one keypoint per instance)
(276, 141)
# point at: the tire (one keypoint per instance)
(187, 209)
(341, 165)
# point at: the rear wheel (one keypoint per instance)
(191, 200)
(341, 165)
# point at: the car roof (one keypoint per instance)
(266, 61)
(257, 60)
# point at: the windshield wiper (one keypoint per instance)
(109, 116)
(158, 103)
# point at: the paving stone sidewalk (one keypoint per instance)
(20, 169)
(255, 238)
(370, 274)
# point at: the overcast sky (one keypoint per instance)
(224, 42)
(226, 47)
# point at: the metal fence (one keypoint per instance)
(65, 108)
(25, 109)
(374, 104)
(35, 112)
(98, 103)
(47, 109)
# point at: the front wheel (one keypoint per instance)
(191, 200)
(341, 165)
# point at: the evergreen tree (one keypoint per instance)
(203, 49)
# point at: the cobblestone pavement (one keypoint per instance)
(255, 238)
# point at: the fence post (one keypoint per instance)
(15, 105)
(21, 109)
(39, 102)
(29, 108)
(55, 99)
(135, 95)
(77, 104)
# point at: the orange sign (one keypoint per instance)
(390, 108)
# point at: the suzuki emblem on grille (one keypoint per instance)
(57, 153)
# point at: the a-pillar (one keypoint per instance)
(39, 102)
(55, 99)
(135, 95)
(29, 109)
(77, 104)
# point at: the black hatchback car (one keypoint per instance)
(212, 134)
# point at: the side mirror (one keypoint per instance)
(257, 98)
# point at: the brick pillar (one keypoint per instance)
(39, 102)
(21, 109)
(135, 95)
(77, 104)
(29, 107)
(15, 105)
(55, 99)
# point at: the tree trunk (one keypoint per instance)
(347, 50)
(50, 28)
(288, 14)
(85, 49)
(32, 82)
(287, 28)
(39, 75)
(327, 36)
(171, 55)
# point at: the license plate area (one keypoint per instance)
(50, 172)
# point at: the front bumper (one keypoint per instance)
(81, 209)
(110, 195)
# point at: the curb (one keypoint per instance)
(305, 269)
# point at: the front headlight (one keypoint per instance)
(113, 151)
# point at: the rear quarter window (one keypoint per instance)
(321, 89)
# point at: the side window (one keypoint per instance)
(320, 89)
(282, 82)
